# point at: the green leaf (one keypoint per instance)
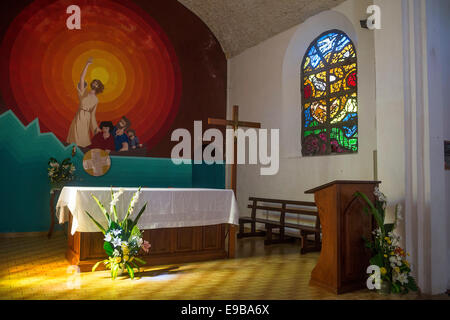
(135, 232)
(96, 265)
(139, 214)
(123, 224)
(140, 260)
(114, 207)
(115, 270)
(395, 288)
(130, 270)
(412, 284)
(108, 248)
(377, 260)
(116, 218)
(102, 208)
(97, 224)
(136, 266)
(113, 225)
(378, 216)
(368, 244)
(389, 227)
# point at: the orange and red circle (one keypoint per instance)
(42, 61)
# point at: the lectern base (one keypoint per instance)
(344, 259)
(343, 289)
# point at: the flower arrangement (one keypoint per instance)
(387, 254)
(59, 173)
(123, 239)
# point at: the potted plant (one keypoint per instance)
(123, 239)
(60, 173)
(395, 270)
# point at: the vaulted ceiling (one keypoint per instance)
(241, 24)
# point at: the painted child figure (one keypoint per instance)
(120, 137)
(133, 140)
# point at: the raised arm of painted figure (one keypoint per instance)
(81, 84)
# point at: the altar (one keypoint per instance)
(181, 225)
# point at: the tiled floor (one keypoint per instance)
(35, 268)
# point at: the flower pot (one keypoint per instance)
(385, 287)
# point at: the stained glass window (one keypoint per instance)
(329, 96)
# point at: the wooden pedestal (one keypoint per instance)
(168, 245)
(343, 259)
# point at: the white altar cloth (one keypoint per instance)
(166, 208)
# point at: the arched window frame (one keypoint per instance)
(326, 144)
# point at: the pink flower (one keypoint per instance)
(146, 246)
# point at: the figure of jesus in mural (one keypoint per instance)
(85, 122)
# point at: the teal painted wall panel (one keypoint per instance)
(208, 176)
(24, 186)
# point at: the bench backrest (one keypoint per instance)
(284, 206)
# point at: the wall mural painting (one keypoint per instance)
(329, 96)
(96, 162)
(114, 84)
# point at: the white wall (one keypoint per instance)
(265, 83)
(390, 103)
(411, 60)
(438, 57)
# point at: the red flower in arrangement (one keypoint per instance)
(400, 252)
(146, 246)
(351, 80)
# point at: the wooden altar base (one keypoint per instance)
(168, 245)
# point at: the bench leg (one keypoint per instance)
(317, 243)
(243, 234)
(241, 230)
(268, 240)
(253, 228)
(305, 247)
(281, 234)
(302, 242)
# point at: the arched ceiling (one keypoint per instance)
(241, 24)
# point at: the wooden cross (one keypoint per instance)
(236, 124)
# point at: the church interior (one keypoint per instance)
(224, 150)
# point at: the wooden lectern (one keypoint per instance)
(343, 259)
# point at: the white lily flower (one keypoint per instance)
(401, 277)
(108, 237)
(116, 232)
(134, 200)
(116, 242)
(115, 199)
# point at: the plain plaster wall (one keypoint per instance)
(411, 69)
(438, 57)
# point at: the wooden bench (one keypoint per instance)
(282, 207)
